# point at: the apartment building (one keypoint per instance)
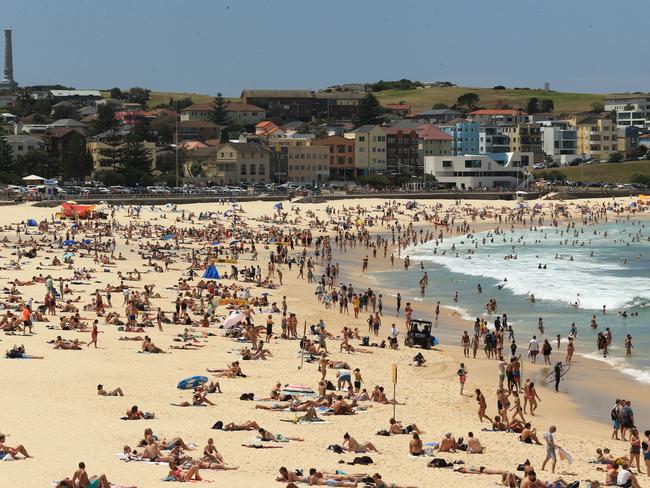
(631, 110)
(503, 116)
(432, 142)
(283, 104)
(239, 163)
(505, 170)
(597, 135)
(369, 149)
(402, 153)
(104, 153)
(527, 138)
(559, 141)
(308, 164)
(494, 138)
(341, 151)
(464, 136)
(197, 130)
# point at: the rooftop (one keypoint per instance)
(497, 112)
(276, 94)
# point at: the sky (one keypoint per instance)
(210, 46)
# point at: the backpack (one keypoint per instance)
(614, 413)
(362, 460)
(336, 448)
(383, 432)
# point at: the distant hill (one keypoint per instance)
(607, 172)
(425, 98)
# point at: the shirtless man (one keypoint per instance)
(473, 444)
(529, 435)
(397, 428)
(448, 443)
(80, 479)
(153, 453)
(352, 445)
(415, 445)
(149, 346)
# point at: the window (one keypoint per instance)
(362, 138)
(261, 169)
(473, 163)
(243, 170)
(253, 170)
(447, 164)
(20, 148)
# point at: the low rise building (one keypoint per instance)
(476, 171)
(283, 104)
(197, 130)
(498, 116)
(341, 151)
(22, 144)
(439, 115)
(527, 138)
(631, 110)
(337, 105)
(241, 114)
(494, 138)
(432, 142)
(105, 153)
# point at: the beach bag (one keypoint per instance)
(614, 413)
(330, 385)
(438, 463)
(365, 460)
(335, 448)
(383, 432)
(365, 341)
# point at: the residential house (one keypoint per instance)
(432, 142)
(78, 97)
(129, 117)
(266, 129)
(197, 130)
(341, 151)
(500, 116)
(22, 144)
(476, 171)
(369, 149)
(308, 164)
(559, 141)
(59, 139)
(439, 115)
(398, 109)
(464, 136)
(241, 163)
(283, 104)
(402, 153)
(631, 110)
(205, 157)
(597, 135)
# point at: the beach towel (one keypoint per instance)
(565, 456)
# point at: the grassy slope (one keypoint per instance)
(427, 97)
(607, 172)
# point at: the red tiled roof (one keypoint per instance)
(497, 112)
(396, 130)
(243, 107)
(198, 107)
(432, 133)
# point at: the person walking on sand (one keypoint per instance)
(462, 376)
(93, 335)
(551, 447)
(558, 374)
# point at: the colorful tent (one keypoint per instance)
(211, 273)
(32, 223)
(75, 210)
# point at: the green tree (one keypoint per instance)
(105, 118)
(6, 154)
(163, 127)
(218, 113)
(139, 95)
(178, 104)
(597, 107)
(468, 100)
(134, 162)
(546, 105)
(375, 181)
(116, 93)
(35, 162)
(369, 111)
(76, 161)
(142, 131)
(65, 111)
(552, 175)
(437, 106)
(616, 157)
(532, 107)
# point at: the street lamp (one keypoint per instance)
(176, 148)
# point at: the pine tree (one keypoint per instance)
(76, 160)
(218, 113)
(6, 154)
(134, 157)
(369, 111)
(105, 118)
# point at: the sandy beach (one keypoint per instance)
(51, 405)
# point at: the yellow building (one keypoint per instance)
(369, 149)
(597, 135)
(104, 155)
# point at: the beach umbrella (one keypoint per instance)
(191, 382)
(69, 242)
(68, 255)
(167, 237)
(32, 223)
(232, 320)
(278, 206)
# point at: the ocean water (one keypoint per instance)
(595, 266)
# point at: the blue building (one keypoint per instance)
(464, 136)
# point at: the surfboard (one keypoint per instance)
(550, 378)
(191, 382)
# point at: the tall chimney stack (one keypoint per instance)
(8, 79)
